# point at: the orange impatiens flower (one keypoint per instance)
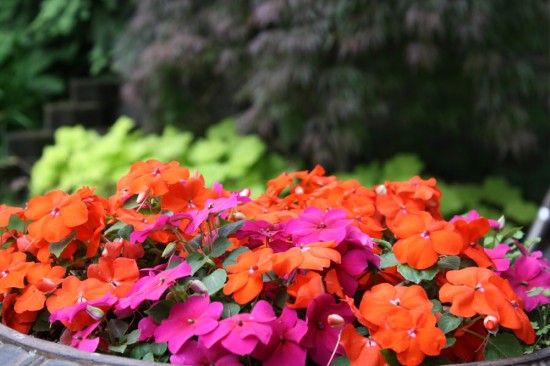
(55, 215)
(360, 350)
(471, 232)
(384, 299)
(13, 267)
(149, 178)
(314, 256)
(470, 292)
(245, 277)
(412, 334)
(20, 322)
(73, 290)
(6, 212)
(120, 274)
(511, 312)
(42, 279)
(422, 239)
(188, 195)
(304, 289)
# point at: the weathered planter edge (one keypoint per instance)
(51, 350)
(63, 352)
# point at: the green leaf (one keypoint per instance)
(158, 349)
(141, 350)
(230, 228)
(450, 342)
(341, 361)
(196, 261)
(448, 322)
(232, 257)
(214, 282)
(160, 311)
(390, 357)
(133, 336)
(196, 242)
(388, 260)
(148, 357)
(58, 247)
(415, 275)
(383, 243)
(503, 346)
(117, 328)
(118, 349)
(449, 262)
(230, 309)
(437, 307)
(219, 246)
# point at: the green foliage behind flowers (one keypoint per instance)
(84, 157)
(492, 197)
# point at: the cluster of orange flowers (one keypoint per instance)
(71, 251)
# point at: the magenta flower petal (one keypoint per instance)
(194, 353)
(152, 287)
(146, 328)
(314, 226)
(196, 316)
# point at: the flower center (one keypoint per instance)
(55, 212)
(253, 269)
(395, 302)
(412, 333)
(479, 287)
(425, 234)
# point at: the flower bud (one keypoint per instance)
(381, 189)
(198, 286)
(491, 324)
(336, 321)
(501, 223)
(169, 250)
(46, 285)
(141, 197)
(94, 312)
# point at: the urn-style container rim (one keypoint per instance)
(37, 349)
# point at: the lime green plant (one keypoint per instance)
(84, 157)
(493, 197)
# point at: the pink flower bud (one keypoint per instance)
(336, 321)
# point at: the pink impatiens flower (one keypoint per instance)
(497, 255)
(80, 339)
(529, 272)
(196, 316)
(194, 353)
(321, 338)
(314, 226)
(284, 346)
(153, 286)
(241, 333)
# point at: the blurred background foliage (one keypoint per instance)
(43, 44)
(460, 86)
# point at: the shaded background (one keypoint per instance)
(461, 87)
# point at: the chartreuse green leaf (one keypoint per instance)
(502, 345)
(448, 322)
(214, 282)
(415, 275)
